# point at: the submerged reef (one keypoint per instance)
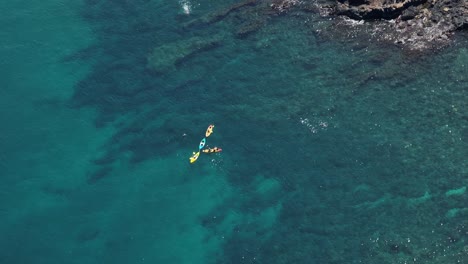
(414, 25)
(166, 56)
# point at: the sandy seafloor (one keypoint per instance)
(333, 151)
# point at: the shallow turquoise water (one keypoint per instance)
(334, 151)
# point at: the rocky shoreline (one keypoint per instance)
(415, 24)
(412, 24)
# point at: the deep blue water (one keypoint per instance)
(335, 150)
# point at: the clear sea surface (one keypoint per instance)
(336, 149)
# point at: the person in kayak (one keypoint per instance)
(212, 150)
(209, 130)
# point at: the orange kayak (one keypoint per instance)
(209, 130)
(212, 150)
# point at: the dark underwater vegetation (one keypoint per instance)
(335, 149)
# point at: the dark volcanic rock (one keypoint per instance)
(375, 9)
(409, 13)
(416, 24)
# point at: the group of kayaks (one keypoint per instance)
(195, 155)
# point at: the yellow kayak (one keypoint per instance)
(194, 157)
(209, 130)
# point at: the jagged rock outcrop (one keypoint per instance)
(374, 9)
(417, 24)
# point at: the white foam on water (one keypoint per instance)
(314, 126)
(186, 6)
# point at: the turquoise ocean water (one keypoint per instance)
(335, 150)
